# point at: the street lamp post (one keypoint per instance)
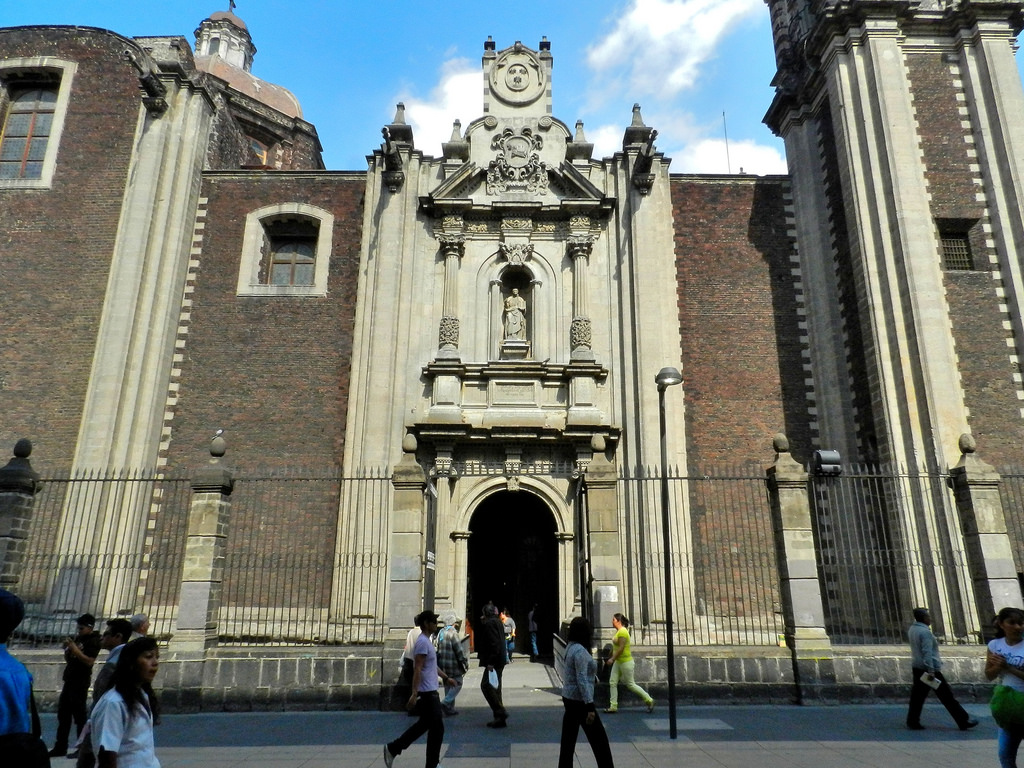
(667, 377)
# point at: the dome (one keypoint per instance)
(229, 17)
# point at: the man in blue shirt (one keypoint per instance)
(19, 722)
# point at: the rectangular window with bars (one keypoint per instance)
(956, 252)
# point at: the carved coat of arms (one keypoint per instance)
(517, 166)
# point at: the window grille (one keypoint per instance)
(956, 252)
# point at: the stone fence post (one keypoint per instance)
(803, 612)
(19, 485)
(975, 486)
(203, 571)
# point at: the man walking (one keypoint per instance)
(490, 648)
(452, 661)
(926, 665)
(424, 700)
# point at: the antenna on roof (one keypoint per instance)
(725, 130)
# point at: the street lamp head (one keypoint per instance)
(668, 377)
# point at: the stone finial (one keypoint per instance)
(785, 467)
(545, 44)
(18, 476)
(218, 446)
(456, 148)
(579, 148)
(638, 120)
(597, 444)
(214, 477)
(399, 114)
(967, 443)
(409, 443)
(489, 43)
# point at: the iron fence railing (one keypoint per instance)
(1011, 491)
(79, 559)
(886, 543)
(723, 569)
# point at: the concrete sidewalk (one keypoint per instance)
(709, 737)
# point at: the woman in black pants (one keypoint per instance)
(578, 698)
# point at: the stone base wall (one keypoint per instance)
(364, 677)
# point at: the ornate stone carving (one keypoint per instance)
(517, 167)
(448, 334)
(579, 222)
(452, 222)
(514, 223)
(580, 246)
(579, 333)
(452, 244)
(516, 253)
(517, 76)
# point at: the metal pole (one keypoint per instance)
(666, 533)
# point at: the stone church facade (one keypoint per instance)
(486, 325)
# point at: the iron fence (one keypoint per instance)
(885, 540)
(723, 569)
(290, 576)
(113, 544)
(79, 557)
(1011, 491)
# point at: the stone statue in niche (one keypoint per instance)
(515, 316)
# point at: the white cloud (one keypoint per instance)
(458, 96)
(658, 46)
(712, 156)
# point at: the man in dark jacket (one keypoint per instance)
(80, 654)
(490, 648)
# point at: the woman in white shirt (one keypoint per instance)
(122, 721)
(1005, 660)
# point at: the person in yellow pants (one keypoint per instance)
(622, 664)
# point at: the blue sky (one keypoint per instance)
(686, 62)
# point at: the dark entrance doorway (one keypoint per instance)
(513, 562)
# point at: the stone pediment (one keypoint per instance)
(473, 188)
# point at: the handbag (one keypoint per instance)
(1007, 705)
(492, 678)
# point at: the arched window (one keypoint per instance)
(286, 251)
(34, 95)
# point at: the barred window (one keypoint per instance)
(956, 252)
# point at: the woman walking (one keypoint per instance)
(122, 720)
(622, 664)
(578, 699)
(1005, 660)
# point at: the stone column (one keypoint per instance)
(989, 554)
(604, 545)
(407, 539)
(803, 611)
(19, 485)
(580, 246)
(203, 571)
(453, 247)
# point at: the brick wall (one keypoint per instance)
(57, 244)
(741, 354)
(985, 368)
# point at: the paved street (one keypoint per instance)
(709, 737)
